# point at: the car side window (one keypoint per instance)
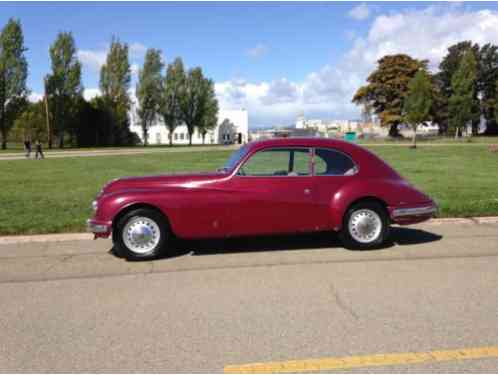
(278, 162)
(328, 162)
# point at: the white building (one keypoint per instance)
(327, 126)
(235, 130)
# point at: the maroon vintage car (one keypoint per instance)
(275, 186)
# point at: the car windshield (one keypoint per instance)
(234, 159)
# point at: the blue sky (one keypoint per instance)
(275, 59)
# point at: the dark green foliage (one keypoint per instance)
(64, 86)
(13, 75)
(418, 101)
(173, 89)
(115, 78)
(149, 90)
(462, 102)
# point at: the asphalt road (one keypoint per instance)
(73, 306)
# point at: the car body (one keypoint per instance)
(287, 185)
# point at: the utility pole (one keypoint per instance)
(49, 133)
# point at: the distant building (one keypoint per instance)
(233, 127)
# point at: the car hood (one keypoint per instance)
(180, 180)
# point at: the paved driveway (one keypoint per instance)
(287, 303)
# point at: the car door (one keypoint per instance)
(332, 169)
(273, 193)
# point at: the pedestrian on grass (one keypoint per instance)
(39, 151)
(27, 148)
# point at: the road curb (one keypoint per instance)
(61, 237)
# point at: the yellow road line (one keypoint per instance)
(342, 363)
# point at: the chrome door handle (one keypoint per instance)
(307, 191)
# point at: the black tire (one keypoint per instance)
(121, 248)
(348, 239)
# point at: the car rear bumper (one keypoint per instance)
(413, 214)
(99, 228)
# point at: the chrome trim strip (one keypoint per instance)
(96, 228)
(414, 211)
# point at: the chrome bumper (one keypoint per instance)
(95, 227)
(414, 211)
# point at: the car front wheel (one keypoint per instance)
(365, 226)
(141, 234)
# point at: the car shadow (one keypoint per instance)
(400, 236)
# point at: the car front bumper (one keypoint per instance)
(99, 228)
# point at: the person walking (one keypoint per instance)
(39, 151)
(27, 148)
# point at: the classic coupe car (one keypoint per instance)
(275, 186)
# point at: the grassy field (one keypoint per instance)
(54, 195)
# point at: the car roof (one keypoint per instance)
(303, 141)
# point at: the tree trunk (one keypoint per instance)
(393, 131)
(170, 136)
(61, 140)
(145, 134)
(2, 129)
(189, 139)
(414, 138)
(203, 138)
(456, 133)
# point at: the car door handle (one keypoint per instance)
(307, 191)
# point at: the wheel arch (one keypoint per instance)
(340, 213)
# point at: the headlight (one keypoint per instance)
(95, 205)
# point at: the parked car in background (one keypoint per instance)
(276, 186)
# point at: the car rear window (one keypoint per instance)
(329, 162)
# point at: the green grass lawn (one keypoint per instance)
(54, 195)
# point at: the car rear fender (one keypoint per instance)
(388, 192)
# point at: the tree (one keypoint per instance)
(192, 100)
(387, 87)
(13, 75)
(461, 104)
(115, 78)
(210, 118)
(418, 102)
(173, 89)
(149, 90)
(64, 84)
(30, 124)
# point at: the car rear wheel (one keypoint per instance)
(141, 234)
(365, 226)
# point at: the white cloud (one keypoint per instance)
(327, 92)
(92, 59)
(137, 49)
(89, 94)
(257, 51)
(34, 97)
(360, 12)
(134, 69)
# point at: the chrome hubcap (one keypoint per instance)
(365, 225)
(141, 234)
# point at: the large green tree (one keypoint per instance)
(462, 102)
(210, 118)
(13, 75)
(387, 88)
(64, 85)
(418, 102)
(149, 90)
(193, 100)
(115, 79)
(174, 82)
